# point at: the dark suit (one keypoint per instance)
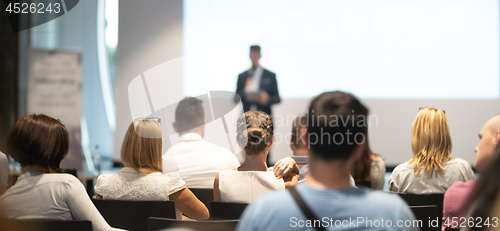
(268, 84)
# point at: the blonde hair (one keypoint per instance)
(141, 148)
(430, 141)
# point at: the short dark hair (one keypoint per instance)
(332, 114)
(189, 114)
(38, 140)
(255, 48)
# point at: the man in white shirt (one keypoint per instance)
(198, 161)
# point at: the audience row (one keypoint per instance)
(328, 171)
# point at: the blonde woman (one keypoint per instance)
(142, 177)
(252, 178)
(431, 170)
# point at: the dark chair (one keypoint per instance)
(427, 217)
(226, 210)
(205, 195)
(163, 223)
(133, 215)
(43, 225)
(425, 199)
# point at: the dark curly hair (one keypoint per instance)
(255, 131)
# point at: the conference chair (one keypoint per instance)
(205, 195)
(133, 215)
(44, 225)
(164, 223)
(427, 217)
(226, 210)
(424, 199)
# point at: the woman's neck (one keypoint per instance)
(35, 168)
(255, 162)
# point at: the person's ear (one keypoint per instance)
(497, 138)
(175, 127)
(239, 145)
(291, 145)
(270, 143)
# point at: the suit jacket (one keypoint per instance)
(268, 84)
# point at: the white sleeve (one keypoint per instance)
(4, 170)
(82, 208)
(102, 185)
(175, 183)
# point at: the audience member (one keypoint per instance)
(327, 191)
(142, 178)
(4, 173)
(370, 169)
(299, 147)
(431, 170)
(255, 136)
(455, 198)
(198, 161)
(484, 200)
(39, 143)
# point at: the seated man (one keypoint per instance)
(455, 198)
(299, 147)
(198, 161)
(333, 148)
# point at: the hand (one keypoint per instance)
(263, 98)
(285, 167)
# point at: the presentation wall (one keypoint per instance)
(395, 56)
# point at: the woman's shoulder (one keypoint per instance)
(458, 163)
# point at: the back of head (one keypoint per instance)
(189, 114)
(430, 141)
(298, 124)
(38, 140)
(141, 148)
(336, 124)
(255, 48)
(255, 131)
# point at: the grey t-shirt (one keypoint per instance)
(4, 170)
(405, 181)
(54, 196)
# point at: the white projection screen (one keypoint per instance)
(376, 49)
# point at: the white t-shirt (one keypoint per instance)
(128, 184)
(4, 170)
(198, 161)
(404, 180)
(244, 186)
(54, 196)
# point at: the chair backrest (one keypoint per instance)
(205, 195)
(133, 215)
(226, 210)
(163, 223)
(43, 225)
(425, 199)
(427, 217)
